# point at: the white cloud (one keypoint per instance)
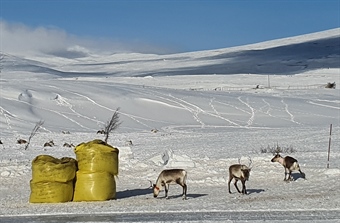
(19, 39)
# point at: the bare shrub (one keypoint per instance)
(111, 125)
(278, 149)
(34, 131)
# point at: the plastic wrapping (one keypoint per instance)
(51, 192)
(91, 177)
(48, 168)
(97, 156)
(99, 186)
(52, 179)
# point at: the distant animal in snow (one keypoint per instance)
(128, 143)
(21, 141)
(154, 130)
(330, 85)
(68, 145)
(101, 132)
(49, 144)
(290, 164)
(168, 176)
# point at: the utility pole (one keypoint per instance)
(268, 82)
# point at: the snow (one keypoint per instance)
(175, 114)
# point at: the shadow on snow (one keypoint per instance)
(146, 191)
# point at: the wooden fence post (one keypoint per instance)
(329, 144)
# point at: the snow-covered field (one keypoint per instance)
(178, 114)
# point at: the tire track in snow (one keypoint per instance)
(192, 108)
(292, 117)
(269, 108)
(219, 115)
(233, 106)
(60, 101)
(52, 111)
(63, 101)
(322, 105)
(252, 111)
(147, 93)
(7, 114)
(104, 107)
(46, 109)
(195, 110)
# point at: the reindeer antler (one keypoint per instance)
(250, 162)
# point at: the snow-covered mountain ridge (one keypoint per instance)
(283, 56)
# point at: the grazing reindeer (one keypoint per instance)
(170, 176)
(21, 141)
(50, 143)
(101, 132)
(239, 172)
(290, 164)
(68, 145)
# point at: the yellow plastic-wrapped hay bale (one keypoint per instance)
(52, 179)
(99, 186)
(97, 156)
(51, 192)
(48, 168)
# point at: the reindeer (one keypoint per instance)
(68, 145)
(101, 132)
(170, 176)
(239, 172)
(49, 144)
(129, 143)
(290, 164)
(21, 141)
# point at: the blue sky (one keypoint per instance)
(172, 26)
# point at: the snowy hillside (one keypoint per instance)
(178, 113)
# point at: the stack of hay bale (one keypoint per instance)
(97, 168)
(52, 179)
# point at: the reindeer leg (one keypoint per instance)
(244, 190)
(184, 192)
(290, 176)
(230, 178)
(184, 186)
(166, 189)
(235, 184)
(286, 175)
